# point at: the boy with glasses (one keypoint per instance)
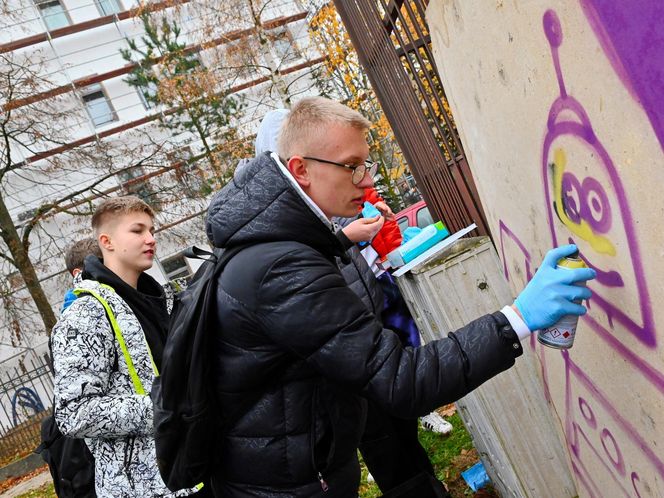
(296, 352)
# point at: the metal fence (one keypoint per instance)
(393, 44)
(26, 394)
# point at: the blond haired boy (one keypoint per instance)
(107, 347)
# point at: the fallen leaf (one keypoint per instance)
(447, 410)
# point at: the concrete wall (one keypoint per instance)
(561, 112)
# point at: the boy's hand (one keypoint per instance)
(385, 209)
(363, 229)
(551, 293)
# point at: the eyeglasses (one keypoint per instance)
(359, 170)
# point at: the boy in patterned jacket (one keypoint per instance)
(107, 348)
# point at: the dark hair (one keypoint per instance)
(78, 251)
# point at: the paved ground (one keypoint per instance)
(27, 485)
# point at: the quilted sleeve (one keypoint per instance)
(336, 334)
(92, 398)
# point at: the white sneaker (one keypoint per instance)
(435, 423)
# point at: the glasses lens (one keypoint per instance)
(372, 168)
(358, 174)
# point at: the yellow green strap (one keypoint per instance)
(133, 374)
(147, 346)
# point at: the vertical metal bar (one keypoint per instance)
(415, 71)
(380, 59)
(418, 68)
(430, 76)
(458, 208)
(448, 188)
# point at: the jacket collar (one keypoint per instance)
(264, 203)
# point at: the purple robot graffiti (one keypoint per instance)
(599, 437)
(587, 205)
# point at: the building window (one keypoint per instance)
(108, 7)
(147, 94)
(53, 13)
(98, 105)
(133, 183)
(176, 267)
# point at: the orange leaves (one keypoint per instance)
(183, 88)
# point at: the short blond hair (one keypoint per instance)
(115, 207)
(307, 120)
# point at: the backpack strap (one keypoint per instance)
(133, 374)
(195, 252)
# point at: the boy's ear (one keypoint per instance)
(298, 168)
(105, 242)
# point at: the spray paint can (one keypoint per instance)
(561, 334)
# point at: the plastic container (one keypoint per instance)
(409, 233)
(476, 476)
(428, 237)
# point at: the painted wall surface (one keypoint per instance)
(560, 106)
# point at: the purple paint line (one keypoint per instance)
(572, 369)
(577, 431)
(526, 255)
(581, 129)
(632, 36)
(582, 477)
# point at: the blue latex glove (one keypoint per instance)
(550, 293)
(370, 211)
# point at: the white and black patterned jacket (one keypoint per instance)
(95, 398)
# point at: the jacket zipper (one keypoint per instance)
(324, 486)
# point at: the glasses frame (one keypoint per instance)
(369, 167)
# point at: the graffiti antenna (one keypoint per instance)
(554, 33)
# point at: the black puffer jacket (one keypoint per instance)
(297, 351)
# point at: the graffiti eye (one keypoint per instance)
(571, 197)
(596, 208)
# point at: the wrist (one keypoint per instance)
(516, 321)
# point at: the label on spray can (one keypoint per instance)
(561, 334)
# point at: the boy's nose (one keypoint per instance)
(367, 181)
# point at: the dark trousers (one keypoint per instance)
(391, 450)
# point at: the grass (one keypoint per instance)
(45, 491)
(450, 455)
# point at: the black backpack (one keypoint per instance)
(185, 417)
(69, 460)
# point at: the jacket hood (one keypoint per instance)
(264, 203)
(267, 135)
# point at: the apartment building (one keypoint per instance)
(77, 131)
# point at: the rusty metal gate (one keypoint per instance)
(393, 44)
